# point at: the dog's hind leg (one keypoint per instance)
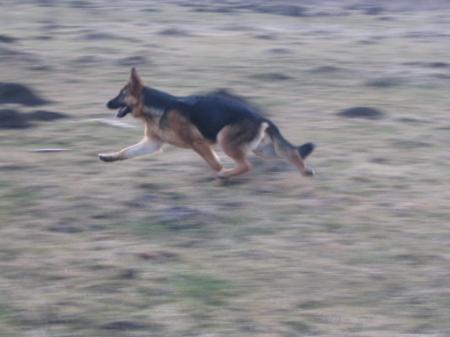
(145, 146)
(242, 164)
(236, 141)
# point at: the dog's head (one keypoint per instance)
(128, 97)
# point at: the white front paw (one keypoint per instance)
(106, 157)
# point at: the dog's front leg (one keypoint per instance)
(145, 146)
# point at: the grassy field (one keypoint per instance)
(154, 247)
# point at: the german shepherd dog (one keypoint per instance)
(199, 122)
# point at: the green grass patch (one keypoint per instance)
(299, 326)
(145, 227)
(203, 289)
(13, 197)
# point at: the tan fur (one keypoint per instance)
(238, 149)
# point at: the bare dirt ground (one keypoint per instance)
(152, 246)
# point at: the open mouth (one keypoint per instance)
(116, 103)
(123, 111)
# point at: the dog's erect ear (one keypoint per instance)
(136, 84)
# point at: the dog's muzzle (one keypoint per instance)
(123, 108)
(123, 111)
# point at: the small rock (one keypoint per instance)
(173, 32)
(124, 325)
(19, 94)
(7, 39)
(385, 82)
(280, 51)
(97, 36)
(272, 77)
(43, 115)
(439, 65)
(361, 112)
(266, 36)
(11, 119)
(128, 274)
(287, 10)
(409, 144)
(325, 70)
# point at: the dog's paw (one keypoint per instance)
(309, 172)
(106, 157)
(221, 181)
(220, 176)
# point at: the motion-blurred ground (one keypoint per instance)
(152, 246)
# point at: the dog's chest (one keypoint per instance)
(175, 128)
(168, 134)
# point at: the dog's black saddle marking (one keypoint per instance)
(209, 113)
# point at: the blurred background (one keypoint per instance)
(152, 246)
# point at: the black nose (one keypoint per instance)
(113, 104)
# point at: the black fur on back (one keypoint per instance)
(210, 113)
(153, 98)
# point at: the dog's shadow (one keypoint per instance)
(235, 181)
(260, 168)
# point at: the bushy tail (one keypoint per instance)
(305, 150)
(294, 154)
(283, 148)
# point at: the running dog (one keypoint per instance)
(199, 122)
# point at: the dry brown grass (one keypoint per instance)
(153, 247)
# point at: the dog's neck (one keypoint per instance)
(155, 103)
(152, 112)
